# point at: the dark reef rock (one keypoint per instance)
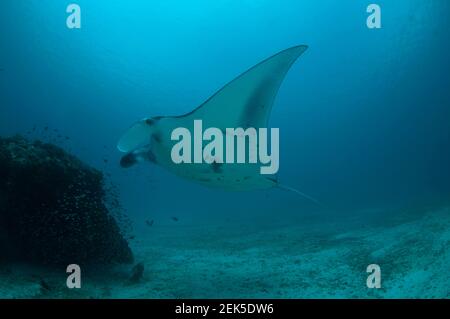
(52, 208)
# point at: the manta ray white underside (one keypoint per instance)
(244, 102)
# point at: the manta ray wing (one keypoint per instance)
(247, 100)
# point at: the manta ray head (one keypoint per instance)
(136, 143)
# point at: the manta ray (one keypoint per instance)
(244, 102)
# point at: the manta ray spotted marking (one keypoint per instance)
(244, 102)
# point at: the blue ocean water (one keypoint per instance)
(363, 114)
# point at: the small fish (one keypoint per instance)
(105, 161)
(44, 285)
(149, 223)
(175, 219)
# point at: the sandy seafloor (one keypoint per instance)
(318, 258)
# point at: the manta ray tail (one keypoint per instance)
(296, 191)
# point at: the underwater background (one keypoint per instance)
(364, 128)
